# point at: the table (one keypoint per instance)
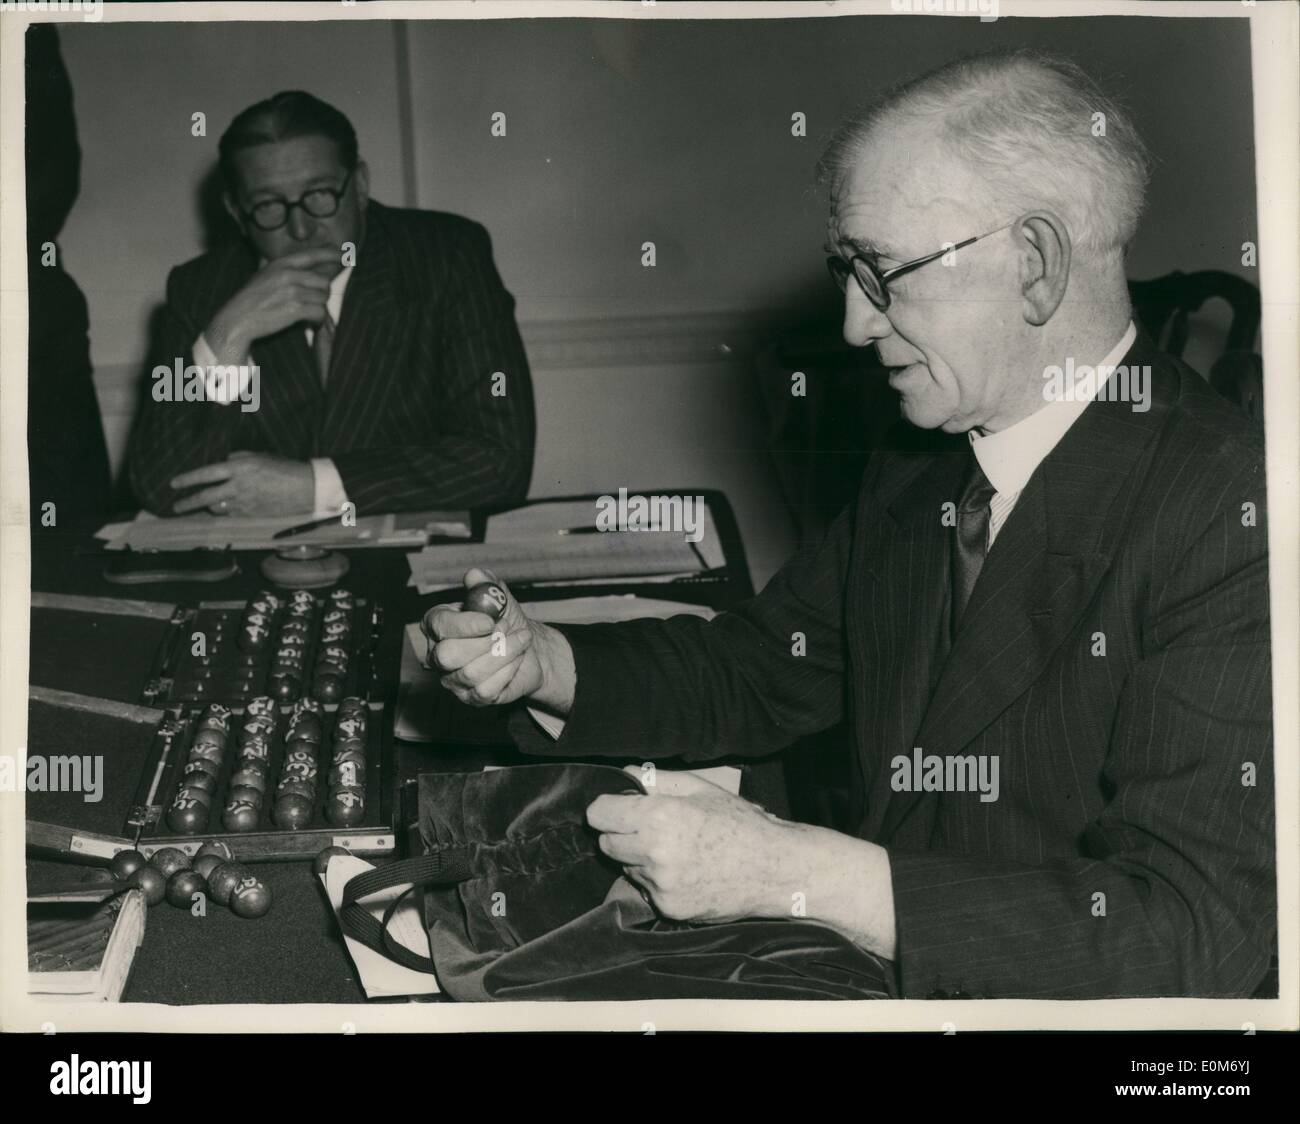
(295, 954)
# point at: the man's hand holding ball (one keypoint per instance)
(491, 654)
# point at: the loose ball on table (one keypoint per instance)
(125, 864)
(150, 882)
(169, 860)
(215, 847)
(250, 898)
(183, 885)
(204, 865)
(224, 879)
(322, 859)
(487, 598)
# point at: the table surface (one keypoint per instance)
(295, 953)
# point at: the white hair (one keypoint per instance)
(1036, 131)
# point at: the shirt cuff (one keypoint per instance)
(553, 725)
(223, 384)
(328, 486)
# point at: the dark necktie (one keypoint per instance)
(970, 537)
(322, 347)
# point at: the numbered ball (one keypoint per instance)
(150, 882)
(187, 817)
(295, 786)
(327, 688)
(169, 860)
(125, 864)
(204, 865)
(240, 815)
(322, 859)
(292, 812)
(250, 898)
(345, 808)
(215, 847)
(182, 886)
(224, 879)
(486, 597)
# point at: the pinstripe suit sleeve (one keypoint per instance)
(481, 451)
(1174, 891)
(748, 682)
(172, 437)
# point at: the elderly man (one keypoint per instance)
(350, 352)
(1051, 644)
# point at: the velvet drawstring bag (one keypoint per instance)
(522, 904)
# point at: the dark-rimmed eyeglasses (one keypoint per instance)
(319, 202)
(874, 281)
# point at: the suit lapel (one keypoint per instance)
(371, 326)
(905, 551)
(1040, 575)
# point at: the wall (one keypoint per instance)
(618, 132)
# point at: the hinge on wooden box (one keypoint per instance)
(156, 689)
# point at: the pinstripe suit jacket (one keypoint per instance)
(408, 413)
(1114, 657)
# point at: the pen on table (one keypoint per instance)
(301, 528)
(578, 531)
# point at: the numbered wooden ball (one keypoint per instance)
(215, 847)
(327, 688)
(250, 898)
(187, 817)
(250, 778)
(240, 815)
(246, 794)
(207, 752)
(322, 859)
(261, 707)
(292, 812)
(350, 726)
(224, 879)
(169, 860)
(345, 807)
(197, 778)
(194, 792)
(125, 864)
(206, 864)
(349, 749)
(486, 597)
(183, 885)
(348, 774)
(287, 688)
(307, 706)
(150, 882)
(295, 786)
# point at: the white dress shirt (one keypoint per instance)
(1010, 456)
(327, 485)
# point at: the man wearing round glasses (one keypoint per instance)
(1048, 637)
(353, 353)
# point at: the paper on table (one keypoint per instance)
(543, 522)
(414, 719)
(239, 532)
(614, 555)
(379, 975)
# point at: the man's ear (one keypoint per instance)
(1045, 264)
(228, 202)
(361, 178)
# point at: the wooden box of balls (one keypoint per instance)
(288, 646)
(263, 736)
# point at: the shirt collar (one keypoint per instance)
(1010, 456)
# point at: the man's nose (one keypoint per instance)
(301, 224)
(864, 323)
